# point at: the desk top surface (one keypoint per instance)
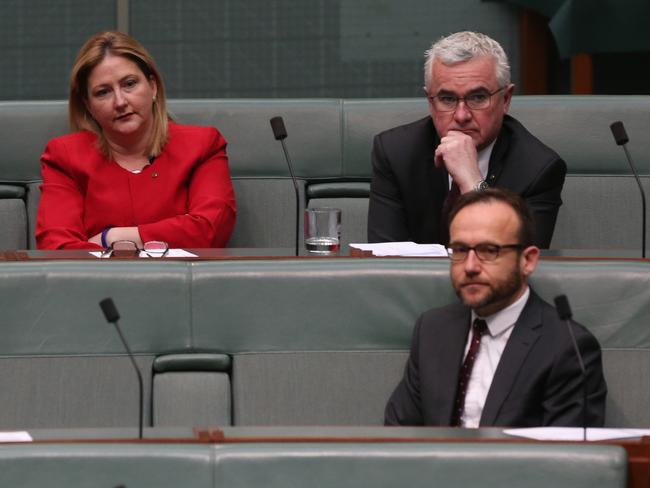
(288, 253)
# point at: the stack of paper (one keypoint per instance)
(575, 433)
(403, 249)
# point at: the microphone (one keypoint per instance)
(112, 316)
(564, 312)
(621, 138)
(280, 134)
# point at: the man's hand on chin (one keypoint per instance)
(458, 154)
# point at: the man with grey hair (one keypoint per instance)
(467, 143)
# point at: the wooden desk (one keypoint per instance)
(288, 253)
(202, 254)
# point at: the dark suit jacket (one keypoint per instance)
(537, 381)
(407, 190)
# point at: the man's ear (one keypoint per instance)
(507, 97)
(528, 260)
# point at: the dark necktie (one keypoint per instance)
(478, 329)
(447, 205)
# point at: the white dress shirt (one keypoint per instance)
(493, 343)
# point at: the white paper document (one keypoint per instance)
(19, 436)
(172, 253)
(408, 248)
(575, 433)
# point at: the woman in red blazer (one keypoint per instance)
(128, 172)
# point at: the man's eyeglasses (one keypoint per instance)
(484, 252)
(152, 249)
(479, 100)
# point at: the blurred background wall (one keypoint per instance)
(290, 48)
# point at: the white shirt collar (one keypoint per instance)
(504, 319)
(484, 159)
(500, 327)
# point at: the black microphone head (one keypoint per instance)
(109, 309)
(618, 131)
(563, 307)
(279, 131)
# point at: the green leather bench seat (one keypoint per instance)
(13, 216)
(330, 142)
(265, 342)
(613, 300)
(25, 128)
(264, 192)
(64, 365)
(602, 206)
(191, 389)
(330, 465)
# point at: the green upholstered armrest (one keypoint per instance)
(12, 191)
(351, 189)
(192, 362)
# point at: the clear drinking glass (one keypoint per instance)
(323, 230)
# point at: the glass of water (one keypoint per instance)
(323, 230)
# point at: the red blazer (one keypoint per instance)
(184, 198)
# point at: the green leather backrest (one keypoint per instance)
(236, 306)
(62, 362)
(313, 128)
(330, 141)
(332, 138)
(25, 128)
(313, 304)
(364, 304)
(577, 128)
(53, 307)
(363, 119)
(330, 465)
(426, 465)
(107, 465)
(296, 330)
(612, 298)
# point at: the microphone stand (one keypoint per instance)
(280, 134)
(295, 189)
(137, 371)
(643, 208)
(112, 316)
(564, 312)
(621, 139)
